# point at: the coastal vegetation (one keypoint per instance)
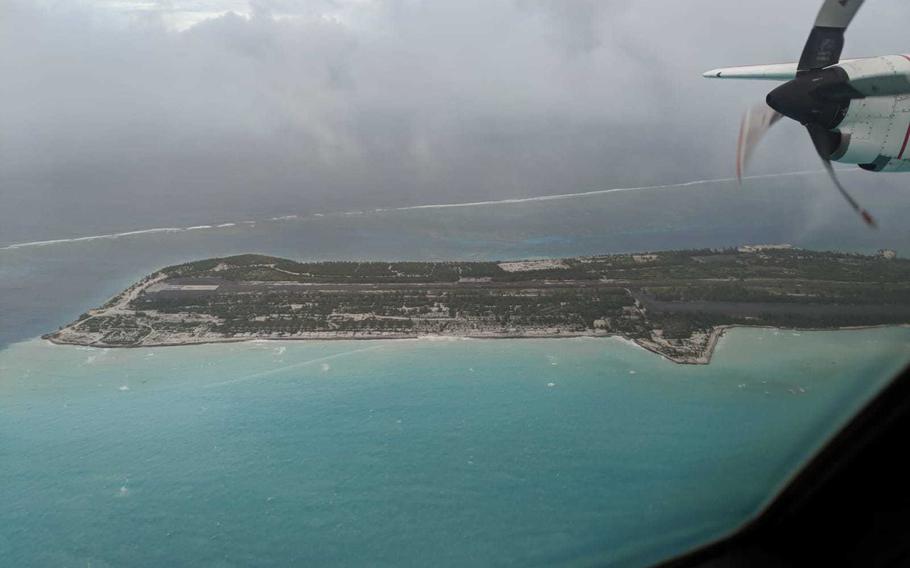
(675, 303)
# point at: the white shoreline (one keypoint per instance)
(703, 358)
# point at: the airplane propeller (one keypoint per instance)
(818, 97)
(756, 122)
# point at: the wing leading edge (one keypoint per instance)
(774, 72)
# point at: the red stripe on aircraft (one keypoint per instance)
(904, 146)
(907, 135)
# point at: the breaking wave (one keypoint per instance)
(512, 201)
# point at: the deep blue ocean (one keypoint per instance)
(406, 453)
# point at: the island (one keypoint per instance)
(674, 303)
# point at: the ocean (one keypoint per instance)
(401, 453)
(410, 453)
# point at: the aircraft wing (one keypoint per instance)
(774, 72)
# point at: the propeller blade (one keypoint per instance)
(825, 143)
(755, 123)
(826, 41)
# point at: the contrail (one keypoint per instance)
(513, 201)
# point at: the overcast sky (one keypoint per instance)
(207, 109)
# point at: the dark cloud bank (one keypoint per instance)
(110, 123)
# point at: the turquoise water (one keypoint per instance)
(415, 453)
(410, 453)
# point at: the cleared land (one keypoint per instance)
(675, 303)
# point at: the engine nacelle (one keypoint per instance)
(862, 141)
(875, 129)
(878, 76)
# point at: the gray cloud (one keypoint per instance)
(109, 112)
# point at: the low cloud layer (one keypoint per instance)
(177, 112)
